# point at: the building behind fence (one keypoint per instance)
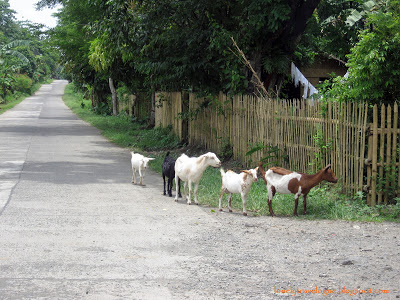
(295, 135)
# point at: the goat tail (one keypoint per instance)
(222, 172)
(167, 154)
(132, 152)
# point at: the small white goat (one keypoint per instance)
(190, 170)
(233, 183)
(139, 163)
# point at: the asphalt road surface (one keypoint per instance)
(72, 226)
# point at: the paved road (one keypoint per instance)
(72, 226)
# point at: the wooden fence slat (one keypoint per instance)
(362, 155)
(388, 181)
(375, 154)
(395, 143)
(381, 153)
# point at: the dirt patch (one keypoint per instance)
(260, 257)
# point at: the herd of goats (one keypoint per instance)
(190, 170)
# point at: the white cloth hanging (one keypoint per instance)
(299, 78)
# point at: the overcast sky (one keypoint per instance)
(26, 12)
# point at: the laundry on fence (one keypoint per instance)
(299, 78)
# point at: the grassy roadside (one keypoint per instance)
(323, 202)
(13, 100)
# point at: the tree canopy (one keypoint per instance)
(374, 62)
(26, 55)
(187, 45)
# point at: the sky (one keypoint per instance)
(26, 12)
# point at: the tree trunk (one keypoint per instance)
(274, 84)
(255, 62)
(97, 96)
(114, 96)
(286, 40)
(152, 121)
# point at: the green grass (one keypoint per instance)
(10, 103)
(323, 202)
(14, 99)
(121, 130)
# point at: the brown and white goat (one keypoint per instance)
(280, 180)
(233, 183)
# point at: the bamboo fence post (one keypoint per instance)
(363, 135)
(369, 167)
(341, 138)
(357, 140)
(345, 142)
(374, 154)
(381, 153)
(388, 181)
(394, 145)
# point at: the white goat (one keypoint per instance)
(233, 183)
(190, 170)
(139, 163)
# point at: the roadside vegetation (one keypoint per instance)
(16, 98)
(27, 59)
(323, 202)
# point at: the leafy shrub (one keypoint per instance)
(102, 109)
(157, 139)
(23, 84)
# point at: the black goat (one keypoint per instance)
(168, 170)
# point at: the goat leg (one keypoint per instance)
(163, 176)
(271, 212)
(221, 195)
(188, 198)
(305, 204)
(179, 187)
(244, 200)
(296, 203)
(169, 187)
(196, 187)
(177, 179)
(229, 202)
(133, 176)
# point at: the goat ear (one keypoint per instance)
(260, 168)
(246, 171)
(151, 158)
(256, 169)
(211, 155)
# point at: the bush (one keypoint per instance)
(23, 84)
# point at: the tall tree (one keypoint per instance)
(72, 37)
(7, 20)
(187, 44)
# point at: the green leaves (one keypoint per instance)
(374, 63)
(7, 49)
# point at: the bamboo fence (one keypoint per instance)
(168, 109)
(383, 160)
(306, 136)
